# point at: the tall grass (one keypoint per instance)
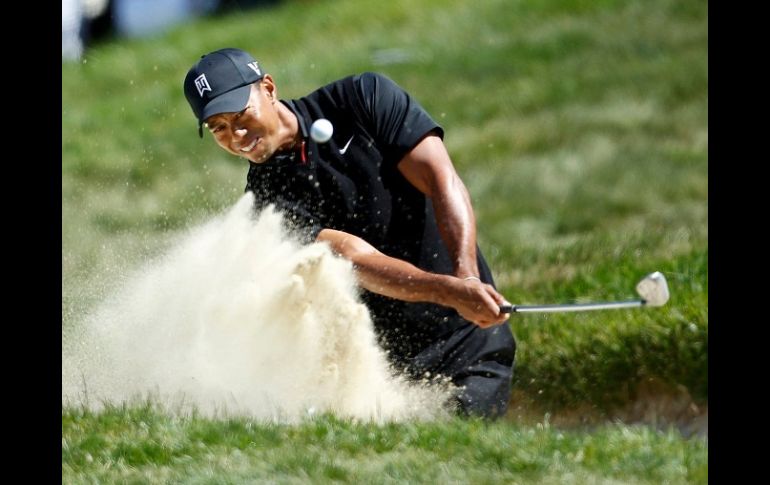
(142, 444)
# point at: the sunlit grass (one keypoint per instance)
(145, 444)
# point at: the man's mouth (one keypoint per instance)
(250, 146)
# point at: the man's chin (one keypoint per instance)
(261, 157)
(258, 160)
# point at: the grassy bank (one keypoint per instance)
(143, 444)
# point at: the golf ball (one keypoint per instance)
(321, 130)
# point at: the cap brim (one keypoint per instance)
(229, 102)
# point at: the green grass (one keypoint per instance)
(581, 130)
(143, 444)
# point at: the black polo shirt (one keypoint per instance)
(351, 184)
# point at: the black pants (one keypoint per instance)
(478, 361)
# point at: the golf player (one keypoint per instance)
(383, 193)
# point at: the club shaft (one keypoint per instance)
(577, 307)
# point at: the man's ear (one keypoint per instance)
(270, 88)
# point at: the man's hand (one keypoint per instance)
(477, 302)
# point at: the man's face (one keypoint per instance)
(251, 133)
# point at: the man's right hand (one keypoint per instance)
(477, 302)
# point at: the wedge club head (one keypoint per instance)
(652, 288)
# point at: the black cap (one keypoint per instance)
(220, 83)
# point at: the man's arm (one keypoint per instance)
(384, 275)
(428, 167)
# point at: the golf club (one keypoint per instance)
(652, 288)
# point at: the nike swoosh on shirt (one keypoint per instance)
(345, 148)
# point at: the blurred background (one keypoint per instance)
(85, 22)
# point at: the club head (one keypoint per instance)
(653, 289)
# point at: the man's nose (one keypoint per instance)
(239, 132)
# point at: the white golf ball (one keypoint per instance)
(321, 130)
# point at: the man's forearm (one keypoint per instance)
(399, 279)
(392, 277)
(388, 276)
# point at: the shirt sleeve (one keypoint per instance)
(396, 119)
